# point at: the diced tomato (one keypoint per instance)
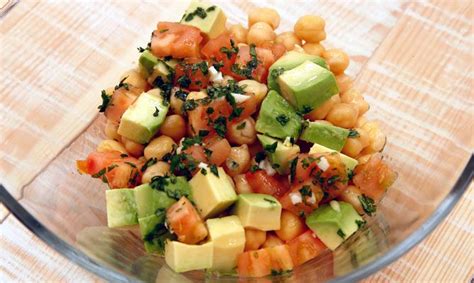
(120, 101)
(254, 263)
(374, 177)
(307, 167)
(220, 151)
(185, 221)
(263, 183)
(118, 171)
(280, 258)
(265, 59)
(213, 52)
(176, 40)
(189, 74)
(305, 247)
(302, 198)
(202, 117)
(219, 107)
(249, 107)
(197, 153)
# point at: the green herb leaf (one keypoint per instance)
(353, 134)
(360, 223)
(293, 164)
(305, 191)
(271, 147)
(214, 170)
(157, 112)
(282, 119)
(241, 126)
(270, 201)
(105, 101)
(220, 125)
(184, 81)
(368, 204)
(341, 234)
(275, 73)
(148, 163)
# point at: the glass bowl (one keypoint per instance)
(429, 143)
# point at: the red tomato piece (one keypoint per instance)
(220, 151)
(176, 40)
(374, 177)
(123, 174)
(263, 183)
(185, 221)
(212, 51)
(197, 153)
(249, 107)
(305, 247)
(120, 101)
(280, 258)
(97, 161)
(189, 74)
(202, 117)
(302, 198)
(264, 57)
(254, 263)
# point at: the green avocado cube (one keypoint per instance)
(212, 194)
(121, 208)
(282, 154)
(258, 211)
(327, 135)
(183, 257)
(149, 225)
(287, 62)
(147, 62)
(149, 200)
(143, 118)
(350, 162)
(209, 18)
(307, 86)
(277, 118)
(333, 223)
(228, 236)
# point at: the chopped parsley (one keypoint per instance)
(122, 84)
(200, 12)
(229, 51)
(220, 125)
(213, 169)
(190, 141)
(148, 163)
(341, 234)
(190, 105)
(218, 65)
(207, 152)
(276, 272)
(293, 164)
(203, 133)
(254, 168)
(241, 126)
(157, 112)
(360, 223)
(368, 204)
(203, 171)
(163, 30)
(247, 70)
(105, 101)
(353, 134)
(211, 8)
(184, 81)
(306, 109)
(181, 95)
(210, 110)
(270, 201)
(305, 191)
(282, 119)
(141, 49)
(260, 156)
(271, 147)
(275, 73)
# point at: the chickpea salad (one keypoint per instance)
(238, 150)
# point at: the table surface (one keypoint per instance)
(444, 256)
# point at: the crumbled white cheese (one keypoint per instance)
(323, 163)
(287, 142)
(215, 75)
(239, 98)
(335, 205)
(203, 165)
(296, 198)
(267, 166)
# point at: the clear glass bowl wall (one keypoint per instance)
(426, 149)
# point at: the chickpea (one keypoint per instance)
(376, 136)
(337, 60)
(174, 126)
(111, 145)
(291, 226)
(255, 88)
(176, 103)
(196, 95)
(242, 186)
(267, 15)
(361, 105)
(354, 97)
(363, 138)
(134, 78)
(364, 158)
(260, 33)
(343, 115)
(159, 147)
(344, 82)
(352, 147)
(110, 130)
(158, 169)
(289, 39)
(133, 148)
(238, 160)
(254, 239)
(310, 28)
(351, 195)
(242, 132)
(361, 121)
(322, 111)
(239, 33)
(272, 241)
(313, 49)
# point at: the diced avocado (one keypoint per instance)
(143, 118)
(212, 194)
(350, 163)
(149, 200)
(282, 154)
(326, 135)
(258, 211)
(162, 70)
(228, 236)
(121, 208)
(277, 118)
(183, 257)
(147, 62)
(307, 86)
(208, 18)
(150, 227)
(287, 62)
(333, 223)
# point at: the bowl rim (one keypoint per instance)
(111, 274)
